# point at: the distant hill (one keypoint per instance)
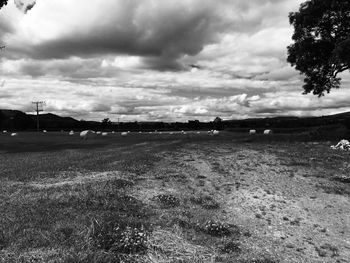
(17, 120)
(54, 122)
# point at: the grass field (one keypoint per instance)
(173, 198)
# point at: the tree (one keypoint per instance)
(321, 48)
(217, 123)
(106, 122)
(3, 3)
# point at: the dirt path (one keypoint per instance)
(289, 217)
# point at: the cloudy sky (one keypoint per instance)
(151, 60)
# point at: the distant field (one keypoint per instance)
(173, 198)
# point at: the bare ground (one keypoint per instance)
(288, 215)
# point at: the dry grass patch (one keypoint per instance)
(167, 246)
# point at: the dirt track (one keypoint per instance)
(281, 204)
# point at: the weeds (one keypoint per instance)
(205, 201)
(167, 200)
(217, 228)
(230, 246)
(119, 237)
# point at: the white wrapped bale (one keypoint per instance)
(216, 133)
(104, 134)
(267, 132)
(124, 134)
(252, 132)
(342, 145)
(14, 134)
(71, 133)
(87, 134)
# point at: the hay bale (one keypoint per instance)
(87, 134)
(215, 133)
(14, 134)
(267, 132)
(252, 131)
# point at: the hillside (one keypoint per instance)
(17, 120)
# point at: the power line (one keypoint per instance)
(39, 106)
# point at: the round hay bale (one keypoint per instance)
(216, 133)
(87, 134)
(267, 132)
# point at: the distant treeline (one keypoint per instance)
(17, 120)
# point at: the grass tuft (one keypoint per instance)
(167, 200)
(217, 228)
(206, 201)
(171, 246)
(119, 237)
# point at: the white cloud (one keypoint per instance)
(155, 60)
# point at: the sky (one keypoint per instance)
(155, 60)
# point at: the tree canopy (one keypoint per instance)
(321, 48)
(2, 3)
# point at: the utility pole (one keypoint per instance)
(38, 108)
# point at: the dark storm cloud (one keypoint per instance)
(161, 33)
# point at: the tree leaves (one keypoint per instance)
(322, 43)
(2, 3)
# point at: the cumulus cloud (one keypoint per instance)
(154, 59)
(160, 31)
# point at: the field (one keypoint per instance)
(173, 198)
